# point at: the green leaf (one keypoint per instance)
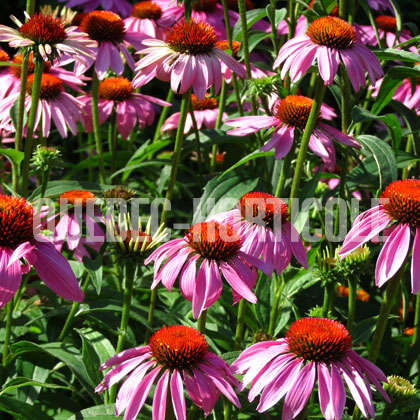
(20, 410)
(98, 412)
(55, 188)
(263, 306)
(384, 157)
(252, 16)
(364, 330)
(96, 349)
(254, 155)
(20, 382)
(394, 54)
(95, 270)
(15, 156)
(222, 194)
(14, 115)
(255, 38)
(360, 114)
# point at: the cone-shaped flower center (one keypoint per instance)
(214, 241)
(78, 197)
(206, 103)
(294, 110)
(103, 26)
(257, 205)
(386, 23)
(115, 89)
(51, 86)
(43, 29)
(191, 37)
(332, 32)
(401, 200)
(178, 346)
(233, 5)
(16, 221)
(4, 56)
(146, 10)
(318, 339)
(204, 5)
(17, 59)
(224, 45)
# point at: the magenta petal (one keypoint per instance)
(299, 394)
(325, 392)
(339, 394)
(159, 399)
(393, 254)
(415, 264)
(177, 393)
(20, 252)
(10, 276)
(296, 244)
(55, 271)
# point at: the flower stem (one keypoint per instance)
(222, 102)
(9, 317)
(285, 169)
(97, 127)
(36, 90)
(163, 116)
(201, 322)
(73, 311)
(275, 308)
(416, 319)
(227, 409)
(351, 303)
(151, 314)
(198, 147)
(328, 304)
(177, 150)
(130, 270)
(30, 7)
(191, 413)
(240, 324)
(272, 19)
(389, 408)
(229, 39)
(112, 141)
(310, 124)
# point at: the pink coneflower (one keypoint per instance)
(178, 355)
(263, 221)
(148, 18)
(10, 76)
(131, 108)
(291, 113)
(122, 7)
(80, 212)
(55, 104)
(108, 29)
(188, 57)
(380, 5)
(48, 37)
(398, 212)
(20, 238)
(387, 27)
(330, 40)
(215, 248)
(314, 348)
(205, 113)
(408, 93)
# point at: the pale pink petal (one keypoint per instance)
(177, 393)
(159, 398)
(10, 276)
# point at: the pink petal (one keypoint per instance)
(178, 399)
(10, 276)
(159, 399)
(415, 264)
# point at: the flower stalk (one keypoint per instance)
(201, 322)
(97, 127)
(240, 325)
(310, 124)
(36, 90)
(112, 141)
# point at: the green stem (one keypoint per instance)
(240, 325)
(351, 303)
(36, 90)
(177, 150)
(191, 413)
(408, 149)
(151, 314)
(9, 317)
(130, 270)
(163, 116)
(328, 304)
(291, 12)
(272, 19)
(201, 322)
(222, 102)
(389, 408)
(73, 311)
(21, 102)
(275, 308)
(198, 147)
(310, 124)
(229, 39)
(387, 303)
(227, 409)
(97, 127)
(112, 141)
(287, 161)
(416, 319)
(30, 7)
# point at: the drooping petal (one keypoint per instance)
(415, 264)
(177, 393)
(10, 276)
(159, 399)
